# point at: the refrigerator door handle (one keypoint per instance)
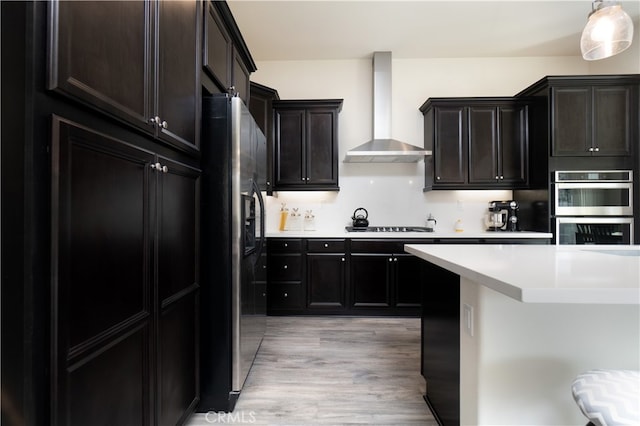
(260, 243)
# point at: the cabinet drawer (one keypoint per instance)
(285, 296)
(283, 245)
(285, 267)
(371, 246)
(326, 246)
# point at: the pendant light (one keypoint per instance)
(609, 31)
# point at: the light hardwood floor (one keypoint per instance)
(333, 371)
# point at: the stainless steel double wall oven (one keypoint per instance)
(593, 207)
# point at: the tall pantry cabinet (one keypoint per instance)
(100, 202)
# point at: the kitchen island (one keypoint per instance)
(506, 328)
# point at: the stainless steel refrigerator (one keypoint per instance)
(233, 285)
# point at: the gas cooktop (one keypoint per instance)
(388, 229)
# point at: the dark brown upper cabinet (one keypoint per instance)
(261, 108)
(591, 120)
(306, 144)
(477, 143)
(585, 116)
(226, 59)
(138, 61)
(497, 144)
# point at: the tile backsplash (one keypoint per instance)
(389, 200)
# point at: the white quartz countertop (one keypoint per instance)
(407, 235)
(544, 273)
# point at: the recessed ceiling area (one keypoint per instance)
(326, 30)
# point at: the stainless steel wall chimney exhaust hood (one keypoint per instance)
(383, 149)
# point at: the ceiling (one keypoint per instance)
(327, 30)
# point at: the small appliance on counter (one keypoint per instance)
(502, 216)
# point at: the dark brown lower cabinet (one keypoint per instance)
(371, 280)
(383, 279)
(326, 276)
(124, 289)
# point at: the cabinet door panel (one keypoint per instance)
(241, 78)
(611, 120)
(178, 98)
(101, 286)
(513, 145)
(325, 280)
(290, 133)
(408, 281)
(178, 208)
(370, 281)
(483, 144)
(322, 147)
(110, 387)
(102, 204)
(449, 146)
(178, 359)
(571, 121)
(217, 49)
(102, 56)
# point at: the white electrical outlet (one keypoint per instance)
(467, 318)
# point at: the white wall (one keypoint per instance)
(392, 193)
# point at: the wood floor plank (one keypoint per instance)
(333, 371)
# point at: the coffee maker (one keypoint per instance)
(502, 216)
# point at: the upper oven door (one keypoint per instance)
(594, 199)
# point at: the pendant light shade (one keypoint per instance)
(609, 31)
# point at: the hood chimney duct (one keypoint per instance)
(383, 149)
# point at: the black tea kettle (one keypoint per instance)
(359, 220)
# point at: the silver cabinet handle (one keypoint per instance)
(596, 149)
(343, 259)
(286, 295)
(159, 167)
(501, 177)
(437, 177)
(390, 259)
(286, 245)
(590, 149)
(395, 259)
(497, 177)
(156, 121)
(326, 245)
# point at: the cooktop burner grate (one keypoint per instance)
(388, 229)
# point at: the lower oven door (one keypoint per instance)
(594, 230)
